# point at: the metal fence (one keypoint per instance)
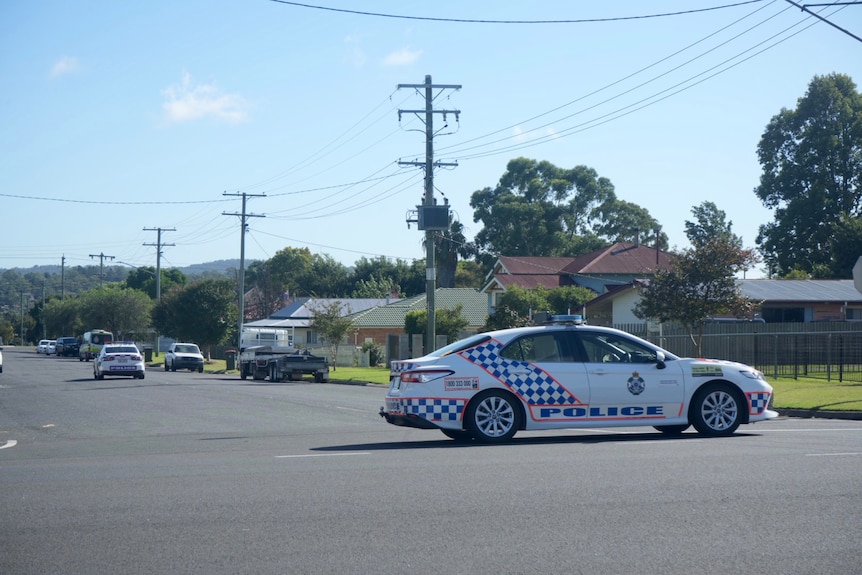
(829, 351)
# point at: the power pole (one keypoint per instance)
(63, 277)
(101, 257)
(243, 228)
(158, 245)
(431, 217)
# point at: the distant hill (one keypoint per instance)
(218, 266)
(34, 283)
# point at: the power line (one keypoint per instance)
(484, 21)
(805, 9)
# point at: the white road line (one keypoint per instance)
(321, 455)
(832, 454)
(9, 443)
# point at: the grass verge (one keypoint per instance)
(816, 394)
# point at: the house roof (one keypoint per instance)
(474, 308)
(519, 265)
(304, 307)
(773, 291)
(621, 258)
(801, 290)
(529, 281)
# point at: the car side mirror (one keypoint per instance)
(659, 360)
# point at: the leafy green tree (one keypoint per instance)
(203, 311)
(469, 274)
(812, 176)
(710, 224)
(538, 209)
(63, 315)
(701, 284)
(517, 305)
(374, 287)
(621, 221)
(845, 246)
(144, 279)
(449, 245)
(7, 332)
(122, 311)
(328, 277)
(331, 323)
(448, 322)
(407, 279)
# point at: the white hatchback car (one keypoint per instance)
(570, 375)
(44, 346)
(119, 359)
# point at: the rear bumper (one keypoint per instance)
(403, 420)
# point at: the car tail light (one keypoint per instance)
(424, 376)
(109, 358)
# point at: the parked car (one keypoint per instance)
(568, 375)
(67, 346)
(44, 345)
(119, 359)
(184, 356)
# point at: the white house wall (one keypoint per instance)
(623, 307)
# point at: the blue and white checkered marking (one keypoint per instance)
(759, 402)
(535, 386)
(434, 409)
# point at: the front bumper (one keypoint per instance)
(187, 363)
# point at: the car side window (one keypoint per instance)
(537, 348)
(611, 348)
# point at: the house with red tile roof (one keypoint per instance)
(603, 270)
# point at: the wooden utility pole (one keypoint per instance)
(101, 257)
(432, 218)
(158, 245)
(241, 280)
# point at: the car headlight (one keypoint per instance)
(752, 374)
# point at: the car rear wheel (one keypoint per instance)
(492, 417)
(716, 410)
(166, 365)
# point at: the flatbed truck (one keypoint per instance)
(281, 364)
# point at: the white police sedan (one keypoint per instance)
(119, 359)
(570, 375)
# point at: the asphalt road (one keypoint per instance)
(198, 473)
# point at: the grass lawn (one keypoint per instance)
(816, 394)
(789, 393)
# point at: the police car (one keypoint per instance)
(570, 375)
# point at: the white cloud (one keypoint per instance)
(402, 57)
(518, 134)
(355, 54)
(186, 102)
(65, 65)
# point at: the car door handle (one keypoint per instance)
(599, 372)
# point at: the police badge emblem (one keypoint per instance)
(636, 384)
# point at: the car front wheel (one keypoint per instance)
(716, 410)
(672, 429)
(492, 417)
(458, 435)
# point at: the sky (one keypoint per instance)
(120, 119)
